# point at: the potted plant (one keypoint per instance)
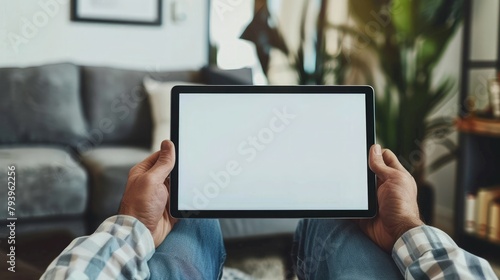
(408, 41)
(412, 37)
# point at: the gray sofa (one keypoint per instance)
(73, 132)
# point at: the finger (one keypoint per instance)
(164, 163)
(391, 160)
(146, 164)
(377, 164)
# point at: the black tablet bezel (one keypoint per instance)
(367, 91)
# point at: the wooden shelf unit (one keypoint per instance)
(479, 140)
(479, 126)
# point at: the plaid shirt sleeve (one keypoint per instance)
(428, 253)
(119, 249)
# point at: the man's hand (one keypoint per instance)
(397, 199)
(147, 192)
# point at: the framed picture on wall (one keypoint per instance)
(144, 12)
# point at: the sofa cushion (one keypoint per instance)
(159, 95)
(108, 168)
(41, 105)
(116, 104)
(216, 76)
(49, 182)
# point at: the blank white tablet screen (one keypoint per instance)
(272, 152)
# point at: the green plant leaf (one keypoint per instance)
(431, 46)
(439, 127)
(448, 144)
(438, 14)
(363, 11)
(359, 36)
(442, 161)
(392, 64)
(427, 14)
(387, 118)
(403, 13)
(441, 19)
(442, 93)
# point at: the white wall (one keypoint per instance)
(173, 45)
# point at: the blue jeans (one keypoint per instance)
(338, 249)
(193, 250)
(322, 249)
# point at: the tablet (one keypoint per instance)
(272, 152)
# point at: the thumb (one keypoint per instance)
(377, 164)
(165, 162)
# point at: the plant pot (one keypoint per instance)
(425, 200)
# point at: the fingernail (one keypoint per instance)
(378, 150)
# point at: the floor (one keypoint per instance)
(262, 258)
(33, 256)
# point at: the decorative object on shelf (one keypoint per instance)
(142, 12)
(485, 199)
(494, 93)
(482, 214)
(470, 214)
(494, 221)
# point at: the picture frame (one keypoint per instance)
(137, 12)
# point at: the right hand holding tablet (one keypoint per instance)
(397, 199)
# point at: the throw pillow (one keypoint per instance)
(159, 98)
(41, 105)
